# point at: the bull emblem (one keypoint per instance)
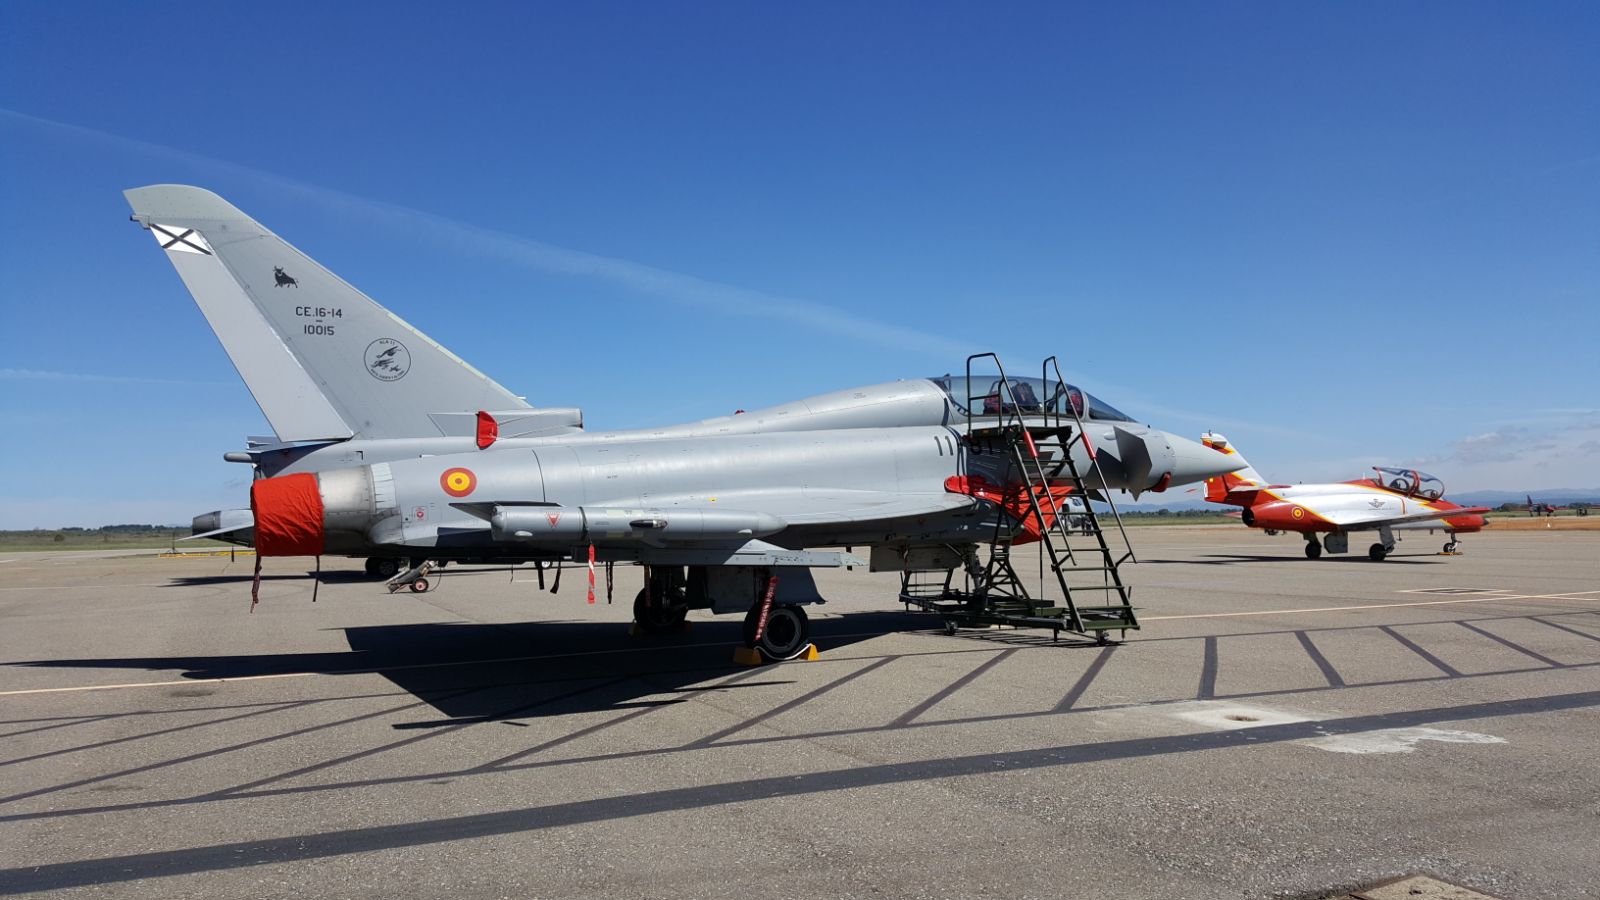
(284, 279)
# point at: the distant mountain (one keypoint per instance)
(1556, 495)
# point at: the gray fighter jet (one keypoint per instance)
(388, 446)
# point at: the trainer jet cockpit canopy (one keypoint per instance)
(1027, 396)
(1410, 482)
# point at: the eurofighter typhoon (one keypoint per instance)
(390, 447)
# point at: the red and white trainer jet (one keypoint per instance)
(1390, 500)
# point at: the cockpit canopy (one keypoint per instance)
(1409, 482)
(1029, 396)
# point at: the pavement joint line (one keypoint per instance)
(1498, 598)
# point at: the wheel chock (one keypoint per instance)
(749, 656)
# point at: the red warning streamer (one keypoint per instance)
(591, 574)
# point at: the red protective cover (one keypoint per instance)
(288, 512)
(488, 430)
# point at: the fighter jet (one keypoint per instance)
(388, 446)
(1392, 499)
(1541, 508)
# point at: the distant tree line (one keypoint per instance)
(1174, 514)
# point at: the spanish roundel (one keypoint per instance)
(458, 482)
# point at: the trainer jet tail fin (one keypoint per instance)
(1242, 480)
(321, 358)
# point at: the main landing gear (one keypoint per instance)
(1385, 545)
(786, 636)
(1313, 547)
(384, 567)
(662, 604)
(1450, 547)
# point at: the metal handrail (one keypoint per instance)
(1050, 364)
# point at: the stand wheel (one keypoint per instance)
(1313, 549)
(420, 586)
(1377, 552)
(656, 617)
(788, 631)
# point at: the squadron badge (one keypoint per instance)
(388, 359)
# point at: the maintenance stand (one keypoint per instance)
(1048, 502)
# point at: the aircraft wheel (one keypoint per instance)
(788, 631)
(1377, 552)
(1313, 549)
(1450, 547)
(657, 617)
(384, 567)
(372, 566)
(420, 586)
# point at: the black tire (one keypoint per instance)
(372, 566)
(654, 618)
(420, 586)
(1377, 552)
(386, 568)
(1313, 549)
(788, 631)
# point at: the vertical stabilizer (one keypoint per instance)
(1245, 478)
(321, 358)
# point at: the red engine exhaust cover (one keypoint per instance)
(288, 512)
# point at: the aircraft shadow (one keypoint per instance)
(1234, 559)
(472, 672)
(333, 577)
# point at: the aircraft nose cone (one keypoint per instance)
(1193, 461)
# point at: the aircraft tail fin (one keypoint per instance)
(1243, 479)
(321, 358)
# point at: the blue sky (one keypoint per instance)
(1341, 233)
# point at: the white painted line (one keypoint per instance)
(1498, 598)
(79, 587)
(1396, 740)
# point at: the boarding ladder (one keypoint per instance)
(1035, 438)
